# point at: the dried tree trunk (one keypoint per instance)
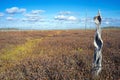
(98, 43)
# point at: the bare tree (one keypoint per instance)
(98, 43)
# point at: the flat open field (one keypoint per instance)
(57, 55)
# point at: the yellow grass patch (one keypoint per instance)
(20, 51)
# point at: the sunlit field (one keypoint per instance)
(57, 55)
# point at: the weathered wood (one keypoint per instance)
(98, 43)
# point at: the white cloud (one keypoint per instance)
(65, 18)
(10, 18)
(1, 14)
(107, 22)
(60, 17)
(22, 10)
(24, 19)
(72, 18)
(14, 10)
(32, 17)
(111, 21)
(65, 12)
(87, 20)
(37, 11)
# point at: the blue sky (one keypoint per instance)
(57, 14)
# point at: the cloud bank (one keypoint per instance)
(39, 19)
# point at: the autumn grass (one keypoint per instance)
(57, 55)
